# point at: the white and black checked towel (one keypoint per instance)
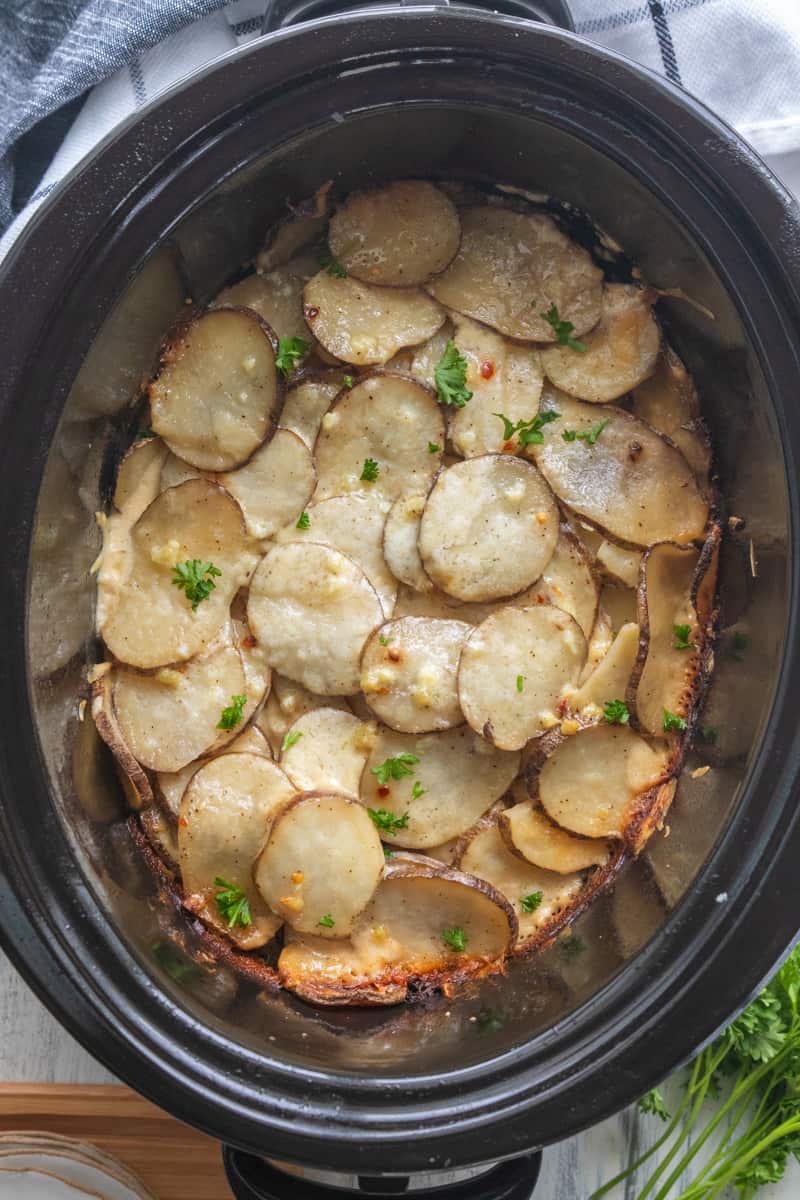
(71, 69)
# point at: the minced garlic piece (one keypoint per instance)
(541, 517)
(365, 736)
(378, 679)
(699, 772)
(167, 555)
(548, 720)
(295, 904)
(413, 507)
(249, 364)
(297, 876)
(170, 677)
(514, 492)
(468, 439)
(569, 726)
(330, 420)
(426, 686)
(379, 933)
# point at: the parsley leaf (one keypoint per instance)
(738, 646)
(682, 642)
(450, 377)
(333, 266)
(455, 938)
(303, 521)
(520, 682)
(433, 448)
(710, 735)
(232, 715)
(653, 1103)
(196, 579)
(572, 946)
(387, 822)
(369, 472)
(327, 921)
(170, 959)
(616, 712)
(418, 790)
(395, 768)
(562, 330)
(232, 903)
(672, 721)
(383, 639)
(388, 854)
(347, 380)
(589, 436)
(530, 903)
(290, 351)
(530, 431)
(290, 739)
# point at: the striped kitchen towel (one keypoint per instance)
(72, 69)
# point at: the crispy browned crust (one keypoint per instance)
(134, 778)
(650, 808)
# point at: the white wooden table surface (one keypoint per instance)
(35, 1049)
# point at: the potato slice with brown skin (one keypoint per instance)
(172, 785)
(306, 404)
(275, 485)
(151, 622)
(366, 325)
(409, 672)
(513, 671)
(620, 605)
(305, 222)
(457, 778)
(632, 483)
(325, 751)
(175, 471)
(400, 538)
(312, 609)
(399, 939)
(569, 582)
(171, 717)
(390, 419)
(218, 391)
(138, 477)
(512, 267)
(665, 676)
(398, 235)
(138, 791)
(528, 833)
(620, 564)
(668, 401)
(277, 295)
(610, 678)
(599, 643)
(287, 701)
(225, 818)
(484, 854)
(503, 378)
(620, 352)
(353, 525)
(591, 782)
(489, 528)
(321, 864)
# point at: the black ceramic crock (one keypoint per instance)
(162, 211)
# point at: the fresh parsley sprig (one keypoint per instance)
(290, 351)
(616, 712)
(681, 637)
(232, 903)
(303, 521)
(589, 436)
(530, 431)
(196, 579)
(455, 938)
(232, 715)
(530, 903)
(562, 330)
(386, 822)
(450, 377)
(369, 472)
(395, 768)
(333, 266)
(291, 739)
(672, 723)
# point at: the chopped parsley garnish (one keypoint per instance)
(652, 1103)
(347, 380)
(455, 938)
(395, 768)
(196, 579)
(333, 266)
(232, 903)
(710, 735)
(387, 853)
(433, 448)
(682, 642)
(303, 521)
(387, 822)
(290, 351)
(232, 715)
(530, 431)
(589, 436)
(572, 946)
(450, 377)
(739, 645)
(562, 329)
(672, 722)
(173, 962)
(520, 682)
(530, 903)
(369, 472)
(616, 712)
(327, 921)
(291, 739)
(383, 639)
(418, 790)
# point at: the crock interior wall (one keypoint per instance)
(193, 260)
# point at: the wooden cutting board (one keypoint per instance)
(175, 1162)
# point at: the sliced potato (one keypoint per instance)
(175, 471)
(287, 701)
(306, 404)
(321, 864)
(610, 678)
(400, 537)
(409, 673)
(529, 833)
(312, 609)
(277, 295)
(620, 605)
(512, 267)
(365, 325)
(457, 778)
(445, 853)
(139, 476)
(399, 939)
(513, 671)
(620, 352)
(487, 857)
(304, 223)
(218, 391)
(326, 751)
(162, 834)
(621, 564)
(134, 778)
(569, 582)
(432, 603)
(274, 487)
(353, 525)
(173, 784)
(591, 782)
(632, 483)
(489, 528)
(668, 401)
(397, 235)
(148, 621)
(599, 643)
(503, 378)
(224, 822)
(665, 675)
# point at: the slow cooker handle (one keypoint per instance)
(252, 1178)
(282, 13)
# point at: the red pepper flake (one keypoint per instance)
(249, 642)
(184, 824)
(487, 369)
(510, 447)
(540, 599)
(383, 790)
(311, 313)
(561, 707)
